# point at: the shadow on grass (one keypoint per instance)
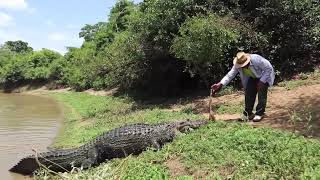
(144, 101)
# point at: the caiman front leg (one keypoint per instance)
(155, 144)
(93, 155)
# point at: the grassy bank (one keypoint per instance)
(219, 150)
(88, 116)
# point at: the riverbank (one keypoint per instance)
(223, 149)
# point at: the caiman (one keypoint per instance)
(116, 143)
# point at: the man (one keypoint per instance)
(257, 75)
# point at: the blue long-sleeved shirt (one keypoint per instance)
(261, 68)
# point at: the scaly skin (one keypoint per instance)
(116, 143)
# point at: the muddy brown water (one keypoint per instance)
(26, 122)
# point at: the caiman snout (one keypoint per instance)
(189, 125)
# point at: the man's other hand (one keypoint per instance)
(260, 85)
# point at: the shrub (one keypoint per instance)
(202, 43)
(78, 73)
(122, 61)
(37, 64)
(291, 30)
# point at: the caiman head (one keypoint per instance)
(188, 125)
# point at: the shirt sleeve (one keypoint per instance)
(267, 69)
(231, 74)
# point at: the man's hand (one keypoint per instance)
(216, 87)
(260, 85)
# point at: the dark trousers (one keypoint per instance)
(250, 97)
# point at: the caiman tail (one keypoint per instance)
(26, 166)
(57, 161)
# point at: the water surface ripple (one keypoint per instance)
(26, 122)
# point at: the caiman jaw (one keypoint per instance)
(187, 126)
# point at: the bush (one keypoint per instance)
(122, 61)
(6, 57)
(202, 43)
(78, 72)
(37, 64)
(291, 30)
(17, 68)
(12, 71)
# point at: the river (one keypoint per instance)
(26, 122)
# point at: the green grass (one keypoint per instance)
(293, 84)
(88, 116)
(250, 153)
(226, 91)
(228, 108)
(218, 150)
(304, 79)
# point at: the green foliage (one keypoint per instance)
(123, 61)
(18, 46)
(103, 37)
(119, 64)
(88, 31)
(203, 42)
(160, 20)
(119, 15)
(57, 69)
(37, 64)
(12, 70)
(11, 66)
(290, 27)
(78, 72)
(108, 57)
(6, 57)
(103, 33)
(29, 66)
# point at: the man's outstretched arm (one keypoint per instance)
(226, 80)
(231, 74)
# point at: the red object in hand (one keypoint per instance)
(215, 88)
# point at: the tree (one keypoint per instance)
(119, 14)
(88, 31)
(103, 33)
(18, 46)
(203, 43)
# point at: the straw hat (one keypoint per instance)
(241, 60)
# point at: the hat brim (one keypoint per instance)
(248, 59)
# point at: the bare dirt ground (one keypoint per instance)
(296, 110)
